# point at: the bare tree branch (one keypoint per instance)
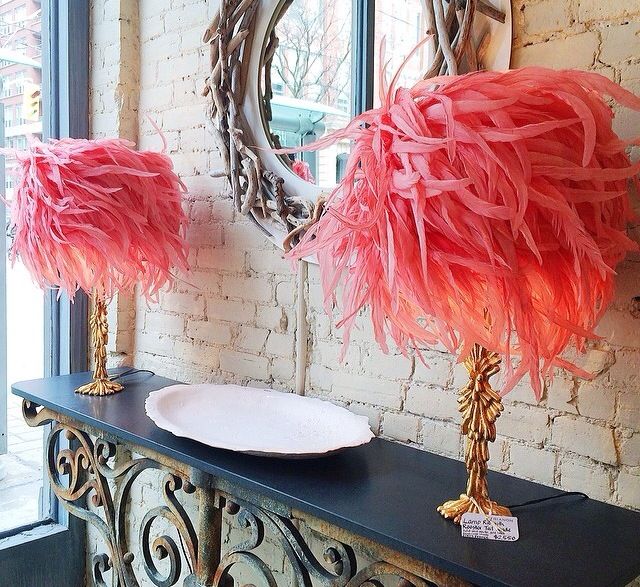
(312, 58)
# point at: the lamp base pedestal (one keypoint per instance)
(454, 508)
(480, 407)
(102, 383)
(100, 387)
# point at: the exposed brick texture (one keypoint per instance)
(236, 309)
(233, 318)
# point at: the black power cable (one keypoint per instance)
(540, 500)
(128, 372)
(134, 371)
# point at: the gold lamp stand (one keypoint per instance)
(480, 406)
(101, 384)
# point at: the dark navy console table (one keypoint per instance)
(373, 508)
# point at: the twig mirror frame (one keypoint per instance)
(242, 44)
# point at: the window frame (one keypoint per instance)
(4, 437)
(362, 54)
(57, 540)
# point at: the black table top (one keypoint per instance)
(388, 493)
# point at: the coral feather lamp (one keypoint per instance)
(486, 213)
(98, 216)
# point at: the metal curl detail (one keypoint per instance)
(248, 520)
(74, 464)
(163, 547)
(80, 473)
(35, 415)
(307, 570)
(242, 558)
(100, 565)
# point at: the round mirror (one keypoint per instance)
(286, 73)
(307, 84)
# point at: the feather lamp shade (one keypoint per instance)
(101, 217)
(485, 212)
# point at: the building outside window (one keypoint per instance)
(314, 91)
(21, 463)
(36, 327)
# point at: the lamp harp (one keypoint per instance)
(101, 384)
(480, 406)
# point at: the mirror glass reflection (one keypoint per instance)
(402, 24)
(309, 73)
(310, 84)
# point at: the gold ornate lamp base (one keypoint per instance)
(480, 406)
(101, 384)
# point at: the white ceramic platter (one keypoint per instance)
(256, 421)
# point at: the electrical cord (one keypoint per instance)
(132, 371)
(540, 500)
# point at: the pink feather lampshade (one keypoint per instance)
(98, 216)
(484, 212)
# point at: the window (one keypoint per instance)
(324, 70)
(20, 14)
(21, 454)
(12, 84)
(18, 119)
(37, 325)
(8, 115)
(6, 83)
(19, 83)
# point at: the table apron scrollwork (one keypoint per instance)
(94, 482)
(91, 485)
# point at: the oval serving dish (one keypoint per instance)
(257, 421)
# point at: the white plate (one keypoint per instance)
(257, 421)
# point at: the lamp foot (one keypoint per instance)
(453, 509)
(101, 384)
(480, 406)
(100, 387)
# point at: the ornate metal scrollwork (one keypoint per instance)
(258, 189)
(307, 570)
(85, 473)
(339, 568)
(92, 486)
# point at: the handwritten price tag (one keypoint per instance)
(489, 527)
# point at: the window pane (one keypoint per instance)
(311, 84)
(402, 24)
(21, 472)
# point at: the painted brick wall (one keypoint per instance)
(233, 318)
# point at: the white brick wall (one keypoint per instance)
(233, 318)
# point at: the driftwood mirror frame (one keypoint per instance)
(242, 44)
